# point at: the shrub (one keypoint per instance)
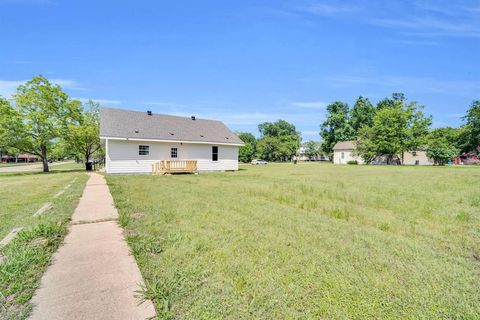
(352, 162)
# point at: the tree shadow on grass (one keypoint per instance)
(35, 173)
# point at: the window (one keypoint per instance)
(173, 153)
(343, 155)
(143, 150)
(214, 153)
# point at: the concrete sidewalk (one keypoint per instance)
(93, 276)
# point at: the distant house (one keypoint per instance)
(466, 158)
(134, 141)
(302, 156)
(418, 157)
(24, 157)
(344, 151)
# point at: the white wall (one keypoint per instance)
(348, 155)
(122, 156)
(411, 158)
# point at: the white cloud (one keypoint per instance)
(423, 84)
(8, 87)
(311, 132)
(26, 2)
(167, 104)
(328, 9)
(309, 104)
(101, 101)
(429, 26)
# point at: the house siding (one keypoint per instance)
(421, 156)
(122, 156)
(349, 155)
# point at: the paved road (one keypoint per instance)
(93, 275)
(29, 167)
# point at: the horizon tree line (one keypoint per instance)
(41, 119)
(390, 128)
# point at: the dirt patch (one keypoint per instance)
(137, 215)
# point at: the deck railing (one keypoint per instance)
(174, 166)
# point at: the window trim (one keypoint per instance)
(215, 154)
(171, 153)
(143, 150)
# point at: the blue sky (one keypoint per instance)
(245, 62)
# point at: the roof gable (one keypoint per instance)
(344, 145)
(118, 123)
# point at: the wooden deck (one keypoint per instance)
(163, 167)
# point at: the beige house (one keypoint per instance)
(417, 158)
(344, 151)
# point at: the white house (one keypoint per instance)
(302, 156)
(135, 140)
(344, 151)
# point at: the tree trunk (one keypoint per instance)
(44, 158)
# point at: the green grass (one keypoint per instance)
(29, 254)
(311, 241)
(13, 164)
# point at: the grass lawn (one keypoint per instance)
(308, 241)
(13, 164)
(29, 254)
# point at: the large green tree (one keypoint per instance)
(385, 137)
(40, 115)
(441, 151)
(396, 128)
(312, 149)
(247, 152)
(395, 101)
(279, 141)
(336, 127)
(361, 114)
(83, 137)
(471, 130)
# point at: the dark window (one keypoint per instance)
(214, 153)
(143, 150)
(173, 153)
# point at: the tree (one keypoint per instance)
(447, 134)
(396, 101)
(247, 152)
(41, 114)
(361, 114)
(336, 127)
(83, 137)
(471, 136)
(5, 112)
(385, 137)
(279, 141)
(312, 149)
(441, 151)
(396, 128)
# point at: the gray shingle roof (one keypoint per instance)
(120, 123)
(344, 145)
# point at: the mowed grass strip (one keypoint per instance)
(29, 254)
(23, 193)
(307, 241)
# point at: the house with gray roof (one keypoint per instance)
(134, 141)
(345, 151)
